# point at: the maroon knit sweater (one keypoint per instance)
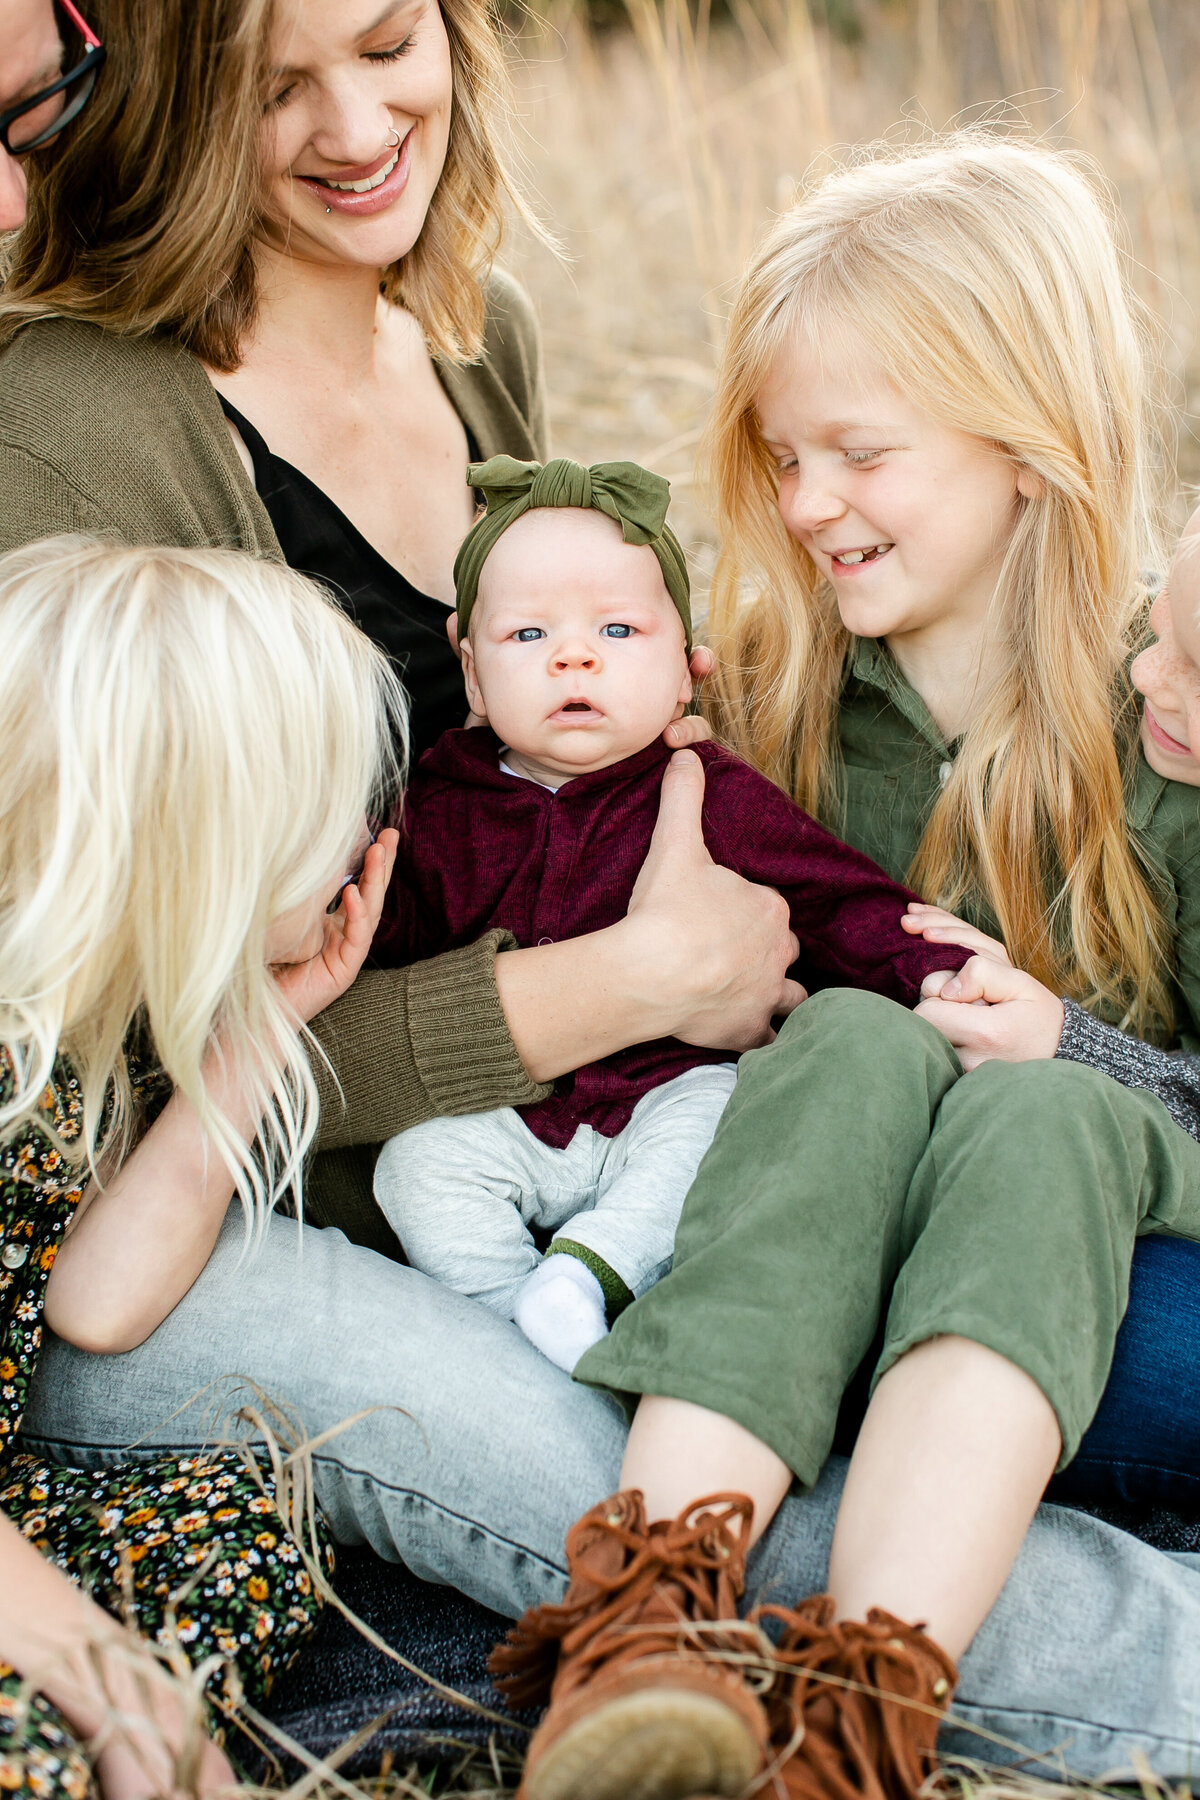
(479, 848)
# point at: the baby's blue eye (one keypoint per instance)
(617, 631)
(528, 634)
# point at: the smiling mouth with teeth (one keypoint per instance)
(361, 187)
(850, 557)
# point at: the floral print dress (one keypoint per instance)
(190, 1550)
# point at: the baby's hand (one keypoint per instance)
(991, 1012)
(938, 926)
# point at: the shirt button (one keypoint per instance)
(13, 1255)
(945, 771)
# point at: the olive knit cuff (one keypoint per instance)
(617, 1294)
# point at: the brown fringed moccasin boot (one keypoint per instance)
(639, 1708)
(856, 1708)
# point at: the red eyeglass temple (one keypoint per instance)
(81, 25)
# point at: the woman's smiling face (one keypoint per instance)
(908, 518)
(1168, 674)
(349, 77)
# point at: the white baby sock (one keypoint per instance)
(560, 1308)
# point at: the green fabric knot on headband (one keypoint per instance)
(624, 491)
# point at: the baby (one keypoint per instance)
(575, 628)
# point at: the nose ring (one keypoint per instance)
(396, 145)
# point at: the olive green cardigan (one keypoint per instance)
(125, 437)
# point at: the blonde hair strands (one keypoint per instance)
(143, 217)
(190, 739)
(984, 277)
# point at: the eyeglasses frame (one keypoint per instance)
(90, 65)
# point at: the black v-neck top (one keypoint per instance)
(319, 540)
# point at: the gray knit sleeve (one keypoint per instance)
(1171, 1074)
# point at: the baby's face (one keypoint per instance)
(1168, 674)
(576, 655)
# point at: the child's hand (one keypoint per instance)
(990, 1012)
(692, 729)
(310, 987)
(938, 926)
(146, 1755)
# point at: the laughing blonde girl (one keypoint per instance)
(935, 460)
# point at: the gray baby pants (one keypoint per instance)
(461, 1194)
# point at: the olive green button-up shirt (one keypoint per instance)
(894, 760)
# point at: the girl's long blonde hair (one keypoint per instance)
(983, 276)
(189, 740)
(143, 216)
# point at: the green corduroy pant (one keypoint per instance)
(859, 1183)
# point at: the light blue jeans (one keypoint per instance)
(481, 1453)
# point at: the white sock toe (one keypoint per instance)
(561, 1310)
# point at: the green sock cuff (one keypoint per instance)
(617, 1296)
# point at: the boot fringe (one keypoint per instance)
(522, 1667)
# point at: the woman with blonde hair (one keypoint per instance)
(934, 454)
(191, 742)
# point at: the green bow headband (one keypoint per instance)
(624, 491)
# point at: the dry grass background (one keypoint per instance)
(660, 142)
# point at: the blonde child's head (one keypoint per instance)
(979, 282)
(190, 740)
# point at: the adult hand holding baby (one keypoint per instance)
(719, 946)
(702, 955)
